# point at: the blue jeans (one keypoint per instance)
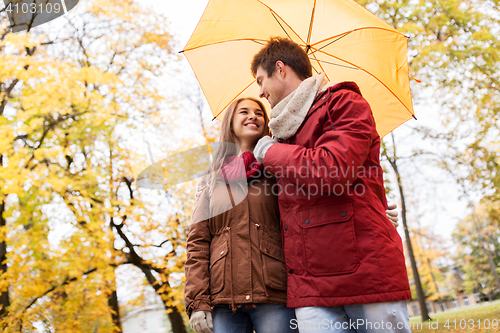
(364, 318)
(265, 318)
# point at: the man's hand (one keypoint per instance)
(201, 322)
(262, 146)
(392, 214)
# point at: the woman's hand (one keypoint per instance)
(201, 322)
(200, 186)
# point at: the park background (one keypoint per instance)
(87, 100)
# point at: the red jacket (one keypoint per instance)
(340, 248)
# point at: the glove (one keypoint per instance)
(262, 146)
(200, 186)
(201, 322)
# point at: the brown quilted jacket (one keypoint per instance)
(236, 256)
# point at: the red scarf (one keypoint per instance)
(238, 168)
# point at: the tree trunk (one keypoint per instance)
(112, 297)
(176, 321)
(115, 310)
(174, 315)
(416, 276)
(4, 295)
(493, 267)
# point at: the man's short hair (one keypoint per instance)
(284, 49)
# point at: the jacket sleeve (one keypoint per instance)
(197, 286)
(339, 151)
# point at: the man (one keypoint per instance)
(345, 263)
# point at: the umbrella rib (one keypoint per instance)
(376, 78)
(319, 67)
(280, 24)
(253, 40)
(332, 63)
(276, 15)
(221, 42)
(218, 114)
(332, 41)
(310, 25)
(359, 29)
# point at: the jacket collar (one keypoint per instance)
(289, 114)
(326, 93)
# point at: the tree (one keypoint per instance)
(4, 295)
(478, 238)
(392, 158)
(454, 282)
(65, 94)
(430, 255)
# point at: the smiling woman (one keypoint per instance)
(236, 140)
(235, 269)
(248, 124)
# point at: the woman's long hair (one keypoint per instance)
(227, 143)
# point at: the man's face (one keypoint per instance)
(272, 87)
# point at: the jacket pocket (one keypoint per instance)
(217, 267)
(329, 239)
(273, 262)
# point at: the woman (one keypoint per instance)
(235, 269)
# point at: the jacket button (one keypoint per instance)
(222, 253)
(248, 297)
(290, 271)
(286, 228)
(343, 214)
(267, 251)
(307, 221)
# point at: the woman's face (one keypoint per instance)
(248, 123)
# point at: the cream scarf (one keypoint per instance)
(289, 113)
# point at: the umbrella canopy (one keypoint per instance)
(342, 39)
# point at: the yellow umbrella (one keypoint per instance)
(342, 39)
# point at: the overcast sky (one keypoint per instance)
(183, 15)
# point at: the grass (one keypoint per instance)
(467, 319)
